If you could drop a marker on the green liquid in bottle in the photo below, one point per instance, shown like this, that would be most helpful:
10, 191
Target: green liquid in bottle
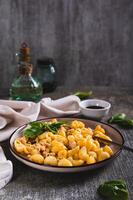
26, 89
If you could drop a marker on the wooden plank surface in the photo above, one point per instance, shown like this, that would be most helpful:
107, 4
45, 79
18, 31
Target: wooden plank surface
30, 184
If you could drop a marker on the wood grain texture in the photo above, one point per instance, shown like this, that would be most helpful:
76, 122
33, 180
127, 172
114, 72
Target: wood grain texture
90, 41
30, 184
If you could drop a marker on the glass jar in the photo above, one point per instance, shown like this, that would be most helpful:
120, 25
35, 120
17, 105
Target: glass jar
47, 74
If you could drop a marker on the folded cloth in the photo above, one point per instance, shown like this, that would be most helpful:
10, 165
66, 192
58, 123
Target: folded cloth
14, 117
16, 113
4, 122
6, 169
61, 107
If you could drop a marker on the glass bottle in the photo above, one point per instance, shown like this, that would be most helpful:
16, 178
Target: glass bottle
47, 74
24, 86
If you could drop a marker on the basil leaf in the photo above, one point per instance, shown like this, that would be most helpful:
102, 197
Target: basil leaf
32, 132
122, 120
117, 118
127, 123
114, 190
83, 95
37, 128
54, 126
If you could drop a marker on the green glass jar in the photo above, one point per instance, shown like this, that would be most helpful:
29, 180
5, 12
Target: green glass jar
25, 87
47, 74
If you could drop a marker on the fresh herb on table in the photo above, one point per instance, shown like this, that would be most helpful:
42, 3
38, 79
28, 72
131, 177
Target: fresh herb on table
37, 128
83, 95
114, 190
122, 120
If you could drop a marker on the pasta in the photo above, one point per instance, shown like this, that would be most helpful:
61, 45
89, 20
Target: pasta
71, 145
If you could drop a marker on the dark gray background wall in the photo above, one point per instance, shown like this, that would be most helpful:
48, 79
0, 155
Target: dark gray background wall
91, 41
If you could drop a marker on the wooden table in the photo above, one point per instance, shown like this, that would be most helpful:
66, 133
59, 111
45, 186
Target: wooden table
31, 184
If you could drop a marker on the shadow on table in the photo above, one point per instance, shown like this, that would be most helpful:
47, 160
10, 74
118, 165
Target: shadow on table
61, 178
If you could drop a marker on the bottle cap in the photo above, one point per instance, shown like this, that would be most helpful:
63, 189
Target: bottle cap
24, 48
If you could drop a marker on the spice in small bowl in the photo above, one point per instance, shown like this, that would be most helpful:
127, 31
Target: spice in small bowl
94, 108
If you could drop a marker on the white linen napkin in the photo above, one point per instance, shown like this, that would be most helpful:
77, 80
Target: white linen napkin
61, 107
6, 169
11, 117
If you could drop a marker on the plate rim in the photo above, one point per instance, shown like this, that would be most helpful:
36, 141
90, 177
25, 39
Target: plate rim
67, 167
